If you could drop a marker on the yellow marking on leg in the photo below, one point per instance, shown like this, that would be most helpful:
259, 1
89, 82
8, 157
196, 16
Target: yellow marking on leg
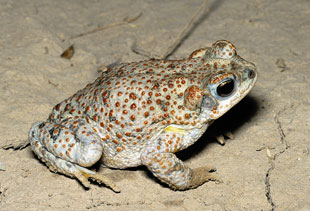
175, 130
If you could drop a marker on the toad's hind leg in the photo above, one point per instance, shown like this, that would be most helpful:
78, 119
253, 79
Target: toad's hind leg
69, 151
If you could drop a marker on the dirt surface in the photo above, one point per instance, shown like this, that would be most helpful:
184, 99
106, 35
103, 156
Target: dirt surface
267, 164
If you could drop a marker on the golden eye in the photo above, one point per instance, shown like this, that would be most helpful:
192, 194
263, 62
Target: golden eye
226, 88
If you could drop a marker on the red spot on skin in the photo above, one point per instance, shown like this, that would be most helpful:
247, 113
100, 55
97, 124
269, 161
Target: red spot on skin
132, 96
133, 106
57, 107
104, 93
79, 98
132, 117
155, 87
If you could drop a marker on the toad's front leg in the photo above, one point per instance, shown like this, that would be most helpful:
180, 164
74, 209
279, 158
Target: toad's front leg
160, 160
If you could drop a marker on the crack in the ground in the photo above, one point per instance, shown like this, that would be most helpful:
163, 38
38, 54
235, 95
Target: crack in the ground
267, 186
115, 204
272, 162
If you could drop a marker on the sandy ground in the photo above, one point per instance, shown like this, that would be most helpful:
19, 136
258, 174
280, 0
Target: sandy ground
267, 164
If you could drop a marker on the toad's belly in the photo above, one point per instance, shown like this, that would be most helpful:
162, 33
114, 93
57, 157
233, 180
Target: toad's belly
125, 159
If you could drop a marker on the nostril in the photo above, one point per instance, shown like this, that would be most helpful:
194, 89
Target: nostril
251, 74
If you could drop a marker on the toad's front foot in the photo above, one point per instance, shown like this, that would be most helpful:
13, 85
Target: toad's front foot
201, 175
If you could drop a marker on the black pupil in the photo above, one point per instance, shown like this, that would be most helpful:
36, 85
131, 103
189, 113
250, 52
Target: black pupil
225, 88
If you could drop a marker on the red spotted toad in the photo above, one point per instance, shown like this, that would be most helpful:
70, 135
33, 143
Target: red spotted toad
141, 113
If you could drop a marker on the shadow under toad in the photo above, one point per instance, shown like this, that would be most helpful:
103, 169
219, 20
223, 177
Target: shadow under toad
232, 121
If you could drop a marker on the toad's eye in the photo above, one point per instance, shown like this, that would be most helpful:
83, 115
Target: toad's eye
226, 88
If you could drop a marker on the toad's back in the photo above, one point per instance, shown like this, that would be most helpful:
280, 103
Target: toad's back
132, 103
